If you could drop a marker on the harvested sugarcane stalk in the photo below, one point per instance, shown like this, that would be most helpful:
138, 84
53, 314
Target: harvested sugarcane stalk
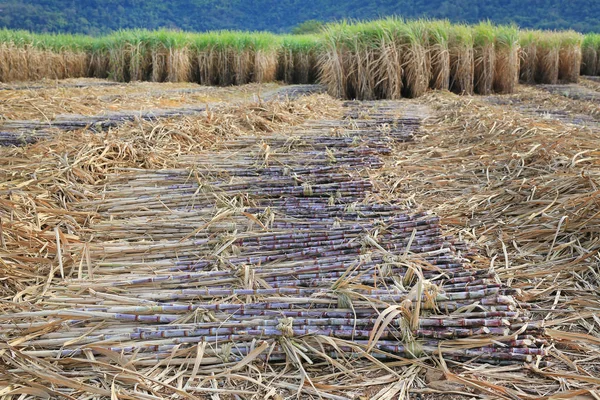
267, 241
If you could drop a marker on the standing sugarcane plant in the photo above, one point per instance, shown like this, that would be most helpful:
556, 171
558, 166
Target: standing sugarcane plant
204, 53
506, 70
265, 50
25, 56
140, 62
298, 56
438, 56
569, 65
332, 65
590, 64
119, 57
413, 48
484, 57
527, 57
462, 65
547, 57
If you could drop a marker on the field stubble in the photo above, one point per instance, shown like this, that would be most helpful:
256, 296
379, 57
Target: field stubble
520, 188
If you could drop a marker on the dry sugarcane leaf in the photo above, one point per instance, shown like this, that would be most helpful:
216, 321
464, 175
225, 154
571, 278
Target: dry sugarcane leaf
31, 391
251, 356
574, 395
381, 323
200, 348
446, 386
571, 336
111, 355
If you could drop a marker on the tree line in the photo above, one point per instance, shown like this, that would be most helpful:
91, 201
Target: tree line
96, 17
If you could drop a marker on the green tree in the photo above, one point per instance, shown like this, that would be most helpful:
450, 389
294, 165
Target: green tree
282, 15
306, 27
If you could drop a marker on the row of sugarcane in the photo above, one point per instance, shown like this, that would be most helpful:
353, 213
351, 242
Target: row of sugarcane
279, 168
158, 345
212, 58
11, 138
391, 58
387, 58
21, 133
299, 279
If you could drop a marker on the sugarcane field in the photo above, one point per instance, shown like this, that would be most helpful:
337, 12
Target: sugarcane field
391, 209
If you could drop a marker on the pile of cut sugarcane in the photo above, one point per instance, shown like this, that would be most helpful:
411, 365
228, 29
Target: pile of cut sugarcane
273, 248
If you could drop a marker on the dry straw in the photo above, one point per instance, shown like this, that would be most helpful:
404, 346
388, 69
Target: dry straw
280, 266
518, 182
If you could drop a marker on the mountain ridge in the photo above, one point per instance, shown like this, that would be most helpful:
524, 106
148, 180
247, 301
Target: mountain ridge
98, 17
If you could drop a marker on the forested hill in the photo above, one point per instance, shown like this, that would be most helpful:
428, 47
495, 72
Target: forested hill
102, 16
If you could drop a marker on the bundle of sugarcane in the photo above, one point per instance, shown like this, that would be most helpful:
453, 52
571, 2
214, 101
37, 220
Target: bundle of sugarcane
150, 325
312, 164
22, 132
20, 137
172, 224
319, 180
279, 244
